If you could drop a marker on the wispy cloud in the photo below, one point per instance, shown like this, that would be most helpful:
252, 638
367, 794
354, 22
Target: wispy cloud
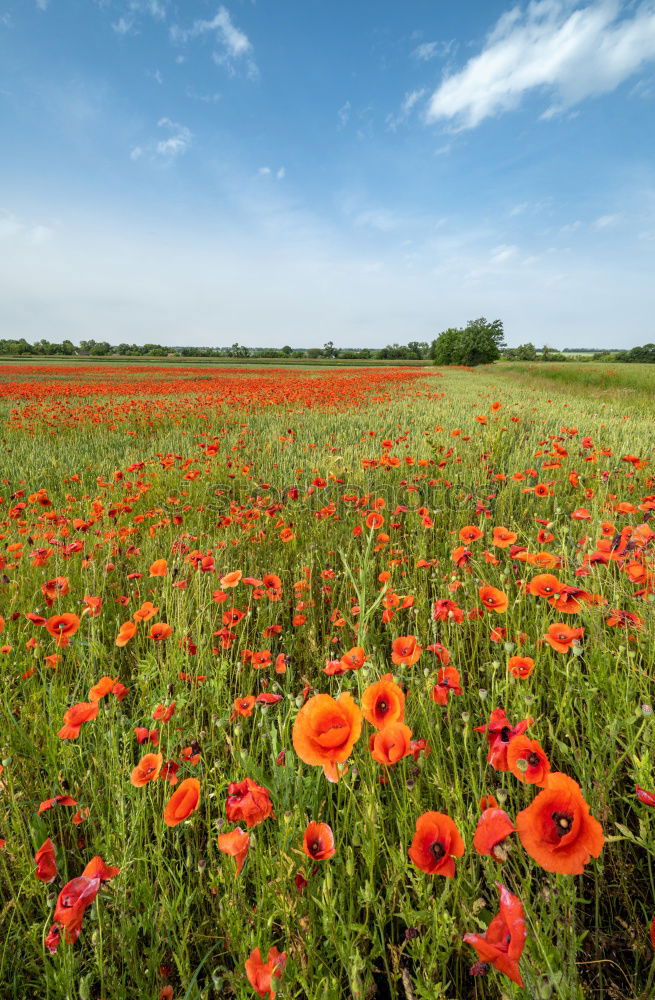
343, 114
279, 174
42, 4
234, 48
34, 234
572, 51
427, 51
410, 101
178, 141
127, 22
606, 221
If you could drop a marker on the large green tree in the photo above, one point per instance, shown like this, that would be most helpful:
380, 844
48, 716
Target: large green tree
478, 343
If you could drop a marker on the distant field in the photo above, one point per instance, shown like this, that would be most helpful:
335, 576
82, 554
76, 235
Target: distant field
603, 380
64, 359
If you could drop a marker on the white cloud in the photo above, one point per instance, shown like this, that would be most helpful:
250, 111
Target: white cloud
606, 221
213, 98
123, 26
280, 173
24, 233
557, 46
136, 153
410, 101
503, 253
42, 4
520, 209
433, 50
344, 114
177, 142
234, 47
127, 22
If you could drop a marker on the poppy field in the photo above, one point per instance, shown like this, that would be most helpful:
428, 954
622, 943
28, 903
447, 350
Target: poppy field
325, 684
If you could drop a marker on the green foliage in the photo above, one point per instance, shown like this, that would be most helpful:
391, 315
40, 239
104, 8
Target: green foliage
478, 343
641, 355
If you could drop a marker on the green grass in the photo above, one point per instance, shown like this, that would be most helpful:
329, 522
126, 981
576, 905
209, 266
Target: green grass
617, 382
176, 905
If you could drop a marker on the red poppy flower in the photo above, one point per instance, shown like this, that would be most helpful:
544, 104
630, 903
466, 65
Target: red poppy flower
261, 974
75, 718
236, 844
46, 862
383, 702
494, 826
499, 734
184, 800
562, 637
447, 682
248, 802
520, 666
58, 800
527, 761
391, 743
159, 631
646, 798
62, 627
504, 939
354, 658
326, 730
436, 842
494, 599
557, 829
318, 842
405, 650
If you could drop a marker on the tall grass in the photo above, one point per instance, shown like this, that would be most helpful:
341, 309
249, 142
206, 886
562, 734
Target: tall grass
368, 923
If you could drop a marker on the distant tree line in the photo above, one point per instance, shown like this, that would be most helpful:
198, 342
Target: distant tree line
479, 342
414, 351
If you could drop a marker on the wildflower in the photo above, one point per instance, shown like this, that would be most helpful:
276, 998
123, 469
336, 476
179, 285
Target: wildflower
184, 800
248, 802
494, 826
493, 599
504, 939
499, 733
236, 844
436, 842
447, 681
383, 702
148, 769
62, 627
46, 862
261, 974
391, 743
527, 761
318, 842
520, 666
557, 829
326, 730
405, 650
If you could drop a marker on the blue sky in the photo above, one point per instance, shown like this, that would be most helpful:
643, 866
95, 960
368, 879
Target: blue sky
297, 171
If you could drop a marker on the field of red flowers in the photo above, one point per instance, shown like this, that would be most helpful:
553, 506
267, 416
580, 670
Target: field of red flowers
324, 684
